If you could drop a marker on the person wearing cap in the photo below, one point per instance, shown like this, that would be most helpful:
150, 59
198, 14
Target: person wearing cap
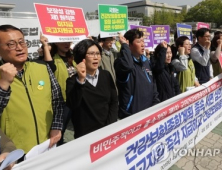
108, 55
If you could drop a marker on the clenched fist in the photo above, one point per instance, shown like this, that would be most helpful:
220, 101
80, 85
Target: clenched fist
181, 50
219, 43
122, 39
207, 44
163, 44
81, 71
43, 40
7, 73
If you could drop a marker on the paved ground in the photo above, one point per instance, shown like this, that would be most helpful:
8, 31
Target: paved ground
212, 140
69, 133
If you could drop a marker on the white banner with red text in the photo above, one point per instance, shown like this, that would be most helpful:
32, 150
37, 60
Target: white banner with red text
146, 140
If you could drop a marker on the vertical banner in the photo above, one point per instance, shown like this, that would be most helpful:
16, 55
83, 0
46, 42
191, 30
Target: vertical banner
30, 29
147, 35
184, 30
113, 19
160, 33
202, 25
61, 24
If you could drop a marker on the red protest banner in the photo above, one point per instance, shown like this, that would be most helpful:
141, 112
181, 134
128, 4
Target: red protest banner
60, 23
202, 25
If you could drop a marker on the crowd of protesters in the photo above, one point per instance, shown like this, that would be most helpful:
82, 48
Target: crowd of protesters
94, 84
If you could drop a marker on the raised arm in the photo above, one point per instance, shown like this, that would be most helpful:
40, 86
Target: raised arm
7, 75
198, 57
160, 59
46, 53
124, 64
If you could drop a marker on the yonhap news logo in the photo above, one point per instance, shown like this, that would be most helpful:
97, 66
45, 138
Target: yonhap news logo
161, 153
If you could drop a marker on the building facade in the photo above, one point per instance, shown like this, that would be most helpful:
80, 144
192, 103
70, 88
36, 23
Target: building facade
148, 8
5, 9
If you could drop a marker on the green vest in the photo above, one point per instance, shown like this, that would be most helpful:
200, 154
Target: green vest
19, 121
118, 45
216, 68
61, 73
186, 78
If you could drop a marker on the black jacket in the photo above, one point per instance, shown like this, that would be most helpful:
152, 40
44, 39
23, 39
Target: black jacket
137, 90
92, 107
167, 84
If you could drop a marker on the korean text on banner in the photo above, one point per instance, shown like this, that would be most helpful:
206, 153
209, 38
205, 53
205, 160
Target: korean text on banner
178, 126
62, 24
152, 139
160, 33
184, 30
147, 35
113, 19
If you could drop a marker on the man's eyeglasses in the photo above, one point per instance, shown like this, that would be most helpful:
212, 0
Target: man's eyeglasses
93, 54
13, 44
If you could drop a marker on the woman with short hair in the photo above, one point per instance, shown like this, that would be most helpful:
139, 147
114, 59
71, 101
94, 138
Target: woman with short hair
91, 93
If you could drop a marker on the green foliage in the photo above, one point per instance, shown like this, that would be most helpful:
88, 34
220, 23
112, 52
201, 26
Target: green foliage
162, 16
167, 17
206, 11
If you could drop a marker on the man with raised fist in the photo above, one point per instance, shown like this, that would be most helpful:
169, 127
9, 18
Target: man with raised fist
31, 103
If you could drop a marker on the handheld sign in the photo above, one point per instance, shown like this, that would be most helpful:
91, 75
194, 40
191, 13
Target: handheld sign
113, 19
202, 25
160, 33
147, 35
184, 30
61, 24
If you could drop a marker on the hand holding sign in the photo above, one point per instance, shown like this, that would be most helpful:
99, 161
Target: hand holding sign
122, 39
44, 40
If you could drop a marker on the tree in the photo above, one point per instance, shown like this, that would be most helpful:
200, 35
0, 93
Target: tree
206, 11
167, 17
161, 16
147, 21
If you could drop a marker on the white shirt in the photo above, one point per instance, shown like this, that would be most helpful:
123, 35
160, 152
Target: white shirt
91, 79
198, 57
